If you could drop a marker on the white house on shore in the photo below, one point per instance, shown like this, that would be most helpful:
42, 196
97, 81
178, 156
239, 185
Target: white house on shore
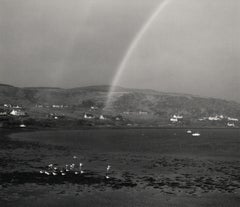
102, 117
177, 116
17, 107
174, 120
232, 119
3, 113
17, 113
57, 106
230, 124
88, 116
213, 118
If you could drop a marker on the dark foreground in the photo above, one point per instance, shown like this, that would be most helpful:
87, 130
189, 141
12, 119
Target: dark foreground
149, 167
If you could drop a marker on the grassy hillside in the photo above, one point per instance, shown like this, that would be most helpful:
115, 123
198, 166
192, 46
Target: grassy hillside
141, 106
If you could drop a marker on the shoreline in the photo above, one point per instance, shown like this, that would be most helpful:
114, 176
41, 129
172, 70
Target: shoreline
7, 132
110, 127
180, 179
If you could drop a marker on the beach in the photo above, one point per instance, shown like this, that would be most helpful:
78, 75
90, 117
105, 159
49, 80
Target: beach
149, 167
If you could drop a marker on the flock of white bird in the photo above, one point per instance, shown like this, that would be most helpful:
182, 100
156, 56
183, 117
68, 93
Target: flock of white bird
53, 169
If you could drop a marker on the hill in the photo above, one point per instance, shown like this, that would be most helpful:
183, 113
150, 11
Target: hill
140, 106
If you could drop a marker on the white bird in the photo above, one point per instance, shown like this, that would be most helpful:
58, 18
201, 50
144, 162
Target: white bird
63, 173
47, 173
108, 168
72, 166
41, 171
80, 168
189, 131
54, 173
66, 168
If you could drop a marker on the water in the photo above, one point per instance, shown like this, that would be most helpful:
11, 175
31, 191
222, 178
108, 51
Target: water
212, 142
155, 161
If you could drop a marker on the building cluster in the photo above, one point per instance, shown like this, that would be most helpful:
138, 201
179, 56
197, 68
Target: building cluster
102, 117
176, 118
3, 112
56, 106
17, 112
231, 122
94, 115
12, 110
8, 110
212, 118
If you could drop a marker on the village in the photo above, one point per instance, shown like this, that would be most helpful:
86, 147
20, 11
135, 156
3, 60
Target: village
53, 115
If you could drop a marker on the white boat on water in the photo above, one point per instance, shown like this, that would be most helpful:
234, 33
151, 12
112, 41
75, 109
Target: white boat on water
196, 134
189, 131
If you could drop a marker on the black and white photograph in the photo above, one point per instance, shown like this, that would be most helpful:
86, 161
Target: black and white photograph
119, 103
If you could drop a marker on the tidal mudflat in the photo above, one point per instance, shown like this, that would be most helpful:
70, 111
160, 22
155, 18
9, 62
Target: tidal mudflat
149, 167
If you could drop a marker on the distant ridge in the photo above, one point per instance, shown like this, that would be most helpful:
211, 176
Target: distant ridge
46, 88
6, 85
125, 99
106, 88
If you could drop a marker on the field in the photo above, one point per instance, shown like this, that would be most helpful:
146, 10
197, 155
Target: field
149, 167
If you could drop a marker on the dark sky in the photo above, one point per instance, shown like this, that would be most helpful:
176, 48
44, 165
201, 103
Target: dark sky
192, 46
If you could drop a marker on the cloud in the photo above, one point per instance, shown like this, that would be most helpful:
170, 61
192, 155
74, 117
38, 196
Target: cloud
193, 48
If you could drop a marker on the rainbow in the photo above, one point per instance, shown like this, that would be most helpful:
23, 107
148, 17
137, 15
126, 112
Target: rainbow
132, 47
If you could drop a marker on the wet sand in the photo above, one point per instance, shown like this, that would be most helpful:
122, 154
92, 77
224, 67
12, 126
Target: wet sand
149, 168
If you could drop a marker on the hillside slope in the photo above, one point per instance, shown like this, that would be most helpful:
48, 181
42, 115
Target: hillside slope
124, 100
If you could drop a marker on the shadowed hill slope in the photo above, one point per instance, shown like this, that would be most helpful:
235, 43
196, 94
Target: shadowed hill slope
159, 103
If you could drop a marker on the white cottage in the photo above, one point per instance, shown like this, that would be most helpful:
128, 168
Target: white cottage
17, 113
88, 116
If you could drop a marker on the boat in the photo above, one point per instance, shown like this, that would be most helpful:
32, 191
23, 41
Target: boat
196, 134
189, 131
